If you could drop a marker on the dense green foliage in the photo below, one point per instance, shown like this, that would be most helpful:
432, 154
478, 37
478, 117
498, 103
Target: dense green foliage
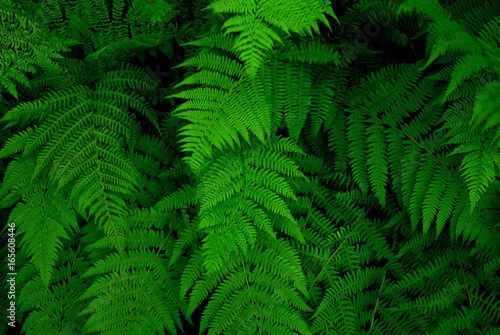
303, 171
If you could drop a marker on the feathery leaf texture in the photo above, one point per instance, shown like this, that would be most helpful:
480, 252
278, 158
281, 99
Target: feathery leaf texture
288, 178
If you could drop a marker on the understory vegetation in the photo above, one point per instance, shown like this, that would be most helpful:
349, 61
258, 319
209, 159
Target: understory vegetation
250, 166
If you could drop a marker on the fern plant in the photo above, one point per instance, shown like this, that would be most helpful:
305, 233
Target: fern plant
279, 185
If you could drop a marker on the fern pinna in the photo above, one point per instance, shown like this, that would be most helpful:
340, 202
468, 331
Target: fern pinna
287, 179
